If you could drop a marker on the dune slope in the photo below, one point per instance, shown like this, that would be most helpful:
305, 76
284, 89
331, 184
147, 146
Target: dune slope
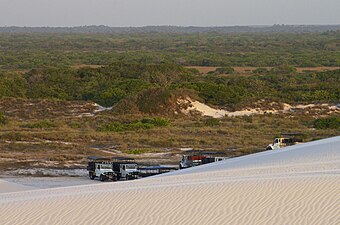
295, 185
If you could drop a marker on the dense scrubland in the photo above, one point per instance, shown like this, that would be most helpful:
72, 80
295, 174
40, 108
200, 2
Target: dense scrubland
48, 83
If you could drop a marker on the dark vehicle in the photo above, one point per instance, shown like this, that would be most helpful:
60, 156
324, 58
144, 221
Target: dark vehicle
146, 171
100, 167
125, 168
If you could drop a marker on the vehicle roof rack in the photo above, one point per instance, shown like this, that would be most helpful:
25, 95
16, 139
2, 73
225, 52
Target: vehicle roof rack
98, 158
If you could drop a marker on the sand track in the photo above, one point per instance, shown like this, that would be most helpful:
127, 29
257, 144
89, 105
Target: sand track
296, 185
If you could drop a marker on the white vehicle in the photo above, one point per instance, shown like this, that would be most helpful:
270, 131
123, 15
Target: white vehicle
125, 168
102, 168
283, 142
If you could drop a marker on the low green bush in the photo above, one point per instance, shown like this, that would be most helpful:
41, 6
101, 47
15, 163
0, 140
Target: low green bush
3, 119
211, 122
327, 123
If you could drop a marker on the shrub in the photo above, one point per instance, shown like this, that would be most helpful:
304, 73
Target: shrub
211, 122
137, 151
260, 71
327, 123
223, 70
3, 119
157, 121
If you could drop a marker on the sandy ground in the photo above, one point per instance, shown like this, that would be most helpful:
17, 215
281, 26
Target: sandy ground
295, 185
205, 110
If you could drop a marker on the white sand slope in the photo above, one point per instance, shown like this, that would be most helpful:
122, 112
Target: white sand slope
296, 185
6, 187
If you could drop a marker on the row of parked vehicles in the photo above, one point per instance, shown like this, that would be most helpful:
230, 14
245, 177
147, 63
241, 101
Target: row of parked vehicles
112, 168
118, 168
126, 168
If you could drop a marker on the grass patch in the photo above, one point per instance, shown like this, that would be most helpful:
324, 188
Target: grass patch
137, 151
144, 124
39, 125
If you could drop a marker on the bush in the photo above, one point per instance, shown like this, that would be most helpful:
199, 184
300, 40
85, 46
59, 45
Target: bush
327, 123
137, 151
260, 71
211, 122
39, 125
223, 70
157, 121
3, 119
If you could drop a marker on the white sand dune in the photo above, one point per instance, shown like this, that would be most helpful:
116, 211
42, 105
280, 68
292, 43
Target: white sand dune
6, 187
295, 185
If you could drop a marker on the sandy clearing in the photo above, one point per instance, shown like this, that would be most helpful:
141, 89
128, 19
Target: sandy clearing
294, 185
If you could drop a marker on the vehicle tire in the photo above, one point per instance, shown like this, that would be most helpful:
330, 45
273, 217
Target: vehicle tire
101, 178
91, 176
127, 178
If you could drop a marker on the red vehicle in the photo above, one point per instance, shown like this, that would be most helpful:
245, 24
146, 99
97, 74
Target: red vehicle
195, 158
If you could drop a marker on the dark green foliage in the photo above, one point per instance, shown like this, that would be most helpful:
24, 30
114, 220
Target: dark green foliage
25, 51
130, 89
260, 71
223, 70
327, 123
12, 85
156, 121
3, 119
283, 69
211, 122
155, 101
39, 125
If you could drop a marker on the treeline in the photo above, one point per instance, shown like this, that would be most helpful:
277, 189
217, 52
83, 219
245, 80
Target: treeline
151, 87
172, 29
26, 51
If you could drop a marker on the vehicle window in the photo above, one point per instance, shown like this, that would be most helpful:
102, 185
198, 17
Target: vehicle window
106, 166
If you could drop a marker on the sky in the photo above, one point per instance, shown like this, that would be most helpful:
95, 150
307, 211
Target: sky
122, 13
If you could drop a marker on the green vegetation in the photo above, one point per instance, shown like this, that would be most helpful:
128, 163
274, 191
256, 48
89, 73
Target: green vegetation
39, 125
3, 119
327, 123
135, 125
222, 70
26, 51
211, 122
49, 81
154, 88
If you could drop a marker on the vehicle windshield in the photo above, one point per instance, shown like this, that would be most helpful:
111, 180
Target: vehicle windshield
106, 166
131, 166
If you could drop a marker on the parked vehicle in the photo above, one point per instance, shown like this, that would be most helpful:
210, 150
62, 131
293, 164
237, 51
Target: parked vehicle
284, 140
195, 158
101, 167
146, 171
125, 168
